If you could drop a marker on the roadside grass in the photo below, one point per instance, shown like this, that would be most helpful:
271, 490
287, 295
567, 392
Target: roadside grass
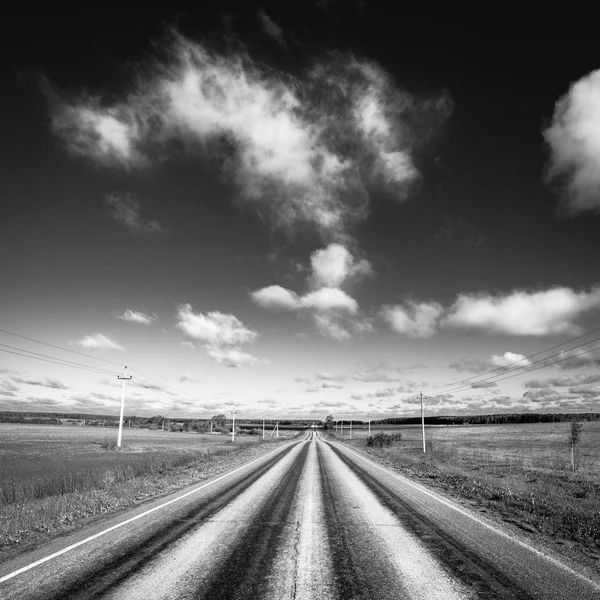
38, 508
527, 482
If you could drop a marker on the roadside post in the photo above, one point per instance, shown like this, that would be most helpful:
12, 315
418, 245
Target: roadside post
125, 378
233, 413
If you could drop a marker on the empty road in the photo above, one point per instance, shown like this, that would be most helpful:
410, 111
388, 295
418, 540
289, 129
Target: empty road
311, 519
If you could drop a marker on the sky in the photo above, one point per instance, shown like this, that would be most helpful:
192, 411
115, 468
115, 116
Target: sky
299, 210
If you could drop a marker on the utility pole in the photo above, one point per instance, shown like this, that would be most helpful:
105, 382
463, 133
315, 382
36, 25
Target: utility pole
263, 428
423, 422
124, 378
233, 412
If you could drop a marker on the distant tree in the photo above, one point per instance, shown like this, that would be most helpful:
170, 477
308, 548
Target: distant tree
574, 437
219, 420
329, 422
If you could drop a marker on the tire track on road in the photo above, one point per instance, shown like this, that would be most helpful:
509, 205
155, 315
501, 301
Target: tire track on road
98, 580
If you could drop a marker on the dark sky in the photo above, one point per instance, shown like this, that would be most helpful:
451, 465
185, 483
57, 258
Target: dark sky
480, 221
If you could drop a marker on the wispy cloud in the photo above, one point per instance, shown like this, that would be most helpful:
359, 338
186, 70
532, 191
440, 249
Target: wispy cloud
98, 341
306, 148
223, 335
574, 140
133, 316
271, 28
564, 381
46, 382
125, 209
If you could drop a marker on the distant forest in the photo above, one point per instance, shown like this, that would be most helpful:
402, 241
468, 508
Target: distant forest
201, 425
495, 419
155, 422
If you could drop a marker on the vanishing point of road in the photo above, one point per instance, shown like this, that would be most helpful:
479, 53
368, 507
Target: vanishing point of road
311, 519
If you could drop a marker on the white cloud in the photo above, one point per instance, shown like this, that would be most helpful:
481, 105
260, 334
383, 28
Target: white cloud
327, 326
232, 357
276, 297
414, 319
133, 316
333, 265
548, 312
328, 299
98, 341
308, 148
126, 210
574, 139
508, 359
223, 335
271, 28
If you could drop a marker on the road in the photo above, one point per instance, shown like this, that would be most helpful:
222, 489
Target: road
310, 520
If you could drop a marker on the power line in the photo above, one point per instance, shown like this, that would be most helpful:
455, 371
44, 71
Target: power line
164, 385
61, 348
503, 368
546, 364
73, 366
62, 360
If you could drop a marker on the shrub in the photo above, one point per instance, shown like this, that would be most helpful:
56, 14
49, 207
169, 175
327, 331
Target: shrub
383, 439
221, 430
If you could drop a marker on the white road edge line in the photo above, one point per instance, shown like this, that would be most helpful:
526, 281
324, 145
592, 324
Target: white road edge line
118, 525
499, 532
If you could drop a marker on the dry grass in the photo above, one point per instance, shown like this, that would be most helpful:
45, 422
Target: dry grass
521, 471
84, 476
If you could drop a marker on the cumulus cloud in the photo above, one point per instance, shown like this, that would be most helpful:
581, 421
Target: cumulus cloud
98, 341
125, 209
548, 312
413, 319
333, 265
223, 335
330, 299
508, 359
307, 148
333, 311
277, 298
271, 28
133, 316
574, 140
543, 395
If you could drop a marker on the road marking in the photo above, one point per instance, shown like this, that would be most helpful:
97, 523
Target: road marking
499, 532
132, 519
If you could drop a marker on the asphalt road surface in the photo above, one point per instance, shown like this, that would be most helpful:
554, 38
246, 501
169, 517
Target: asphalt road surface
311, 519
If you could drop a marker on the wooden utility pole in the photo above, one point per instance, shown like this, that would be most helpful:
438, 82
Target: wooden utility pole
423, 422
124, 378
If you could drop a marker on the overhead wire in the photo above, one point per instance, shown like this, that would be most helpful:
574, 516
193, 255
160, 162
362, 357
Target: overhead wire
61, 348
503, 369
56, 362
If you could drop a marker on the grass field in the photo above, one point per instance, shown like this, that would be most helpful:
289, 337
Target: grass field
522, 471
31, 451
56, 478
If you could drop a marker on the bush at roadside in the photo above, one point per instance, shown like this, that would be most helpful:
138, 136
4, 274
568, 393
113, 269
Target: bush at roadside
379, 440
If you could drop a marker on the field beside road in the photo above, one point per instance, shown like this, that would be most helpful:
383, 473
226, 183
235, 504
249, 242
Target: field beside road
55, 478
521, 472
